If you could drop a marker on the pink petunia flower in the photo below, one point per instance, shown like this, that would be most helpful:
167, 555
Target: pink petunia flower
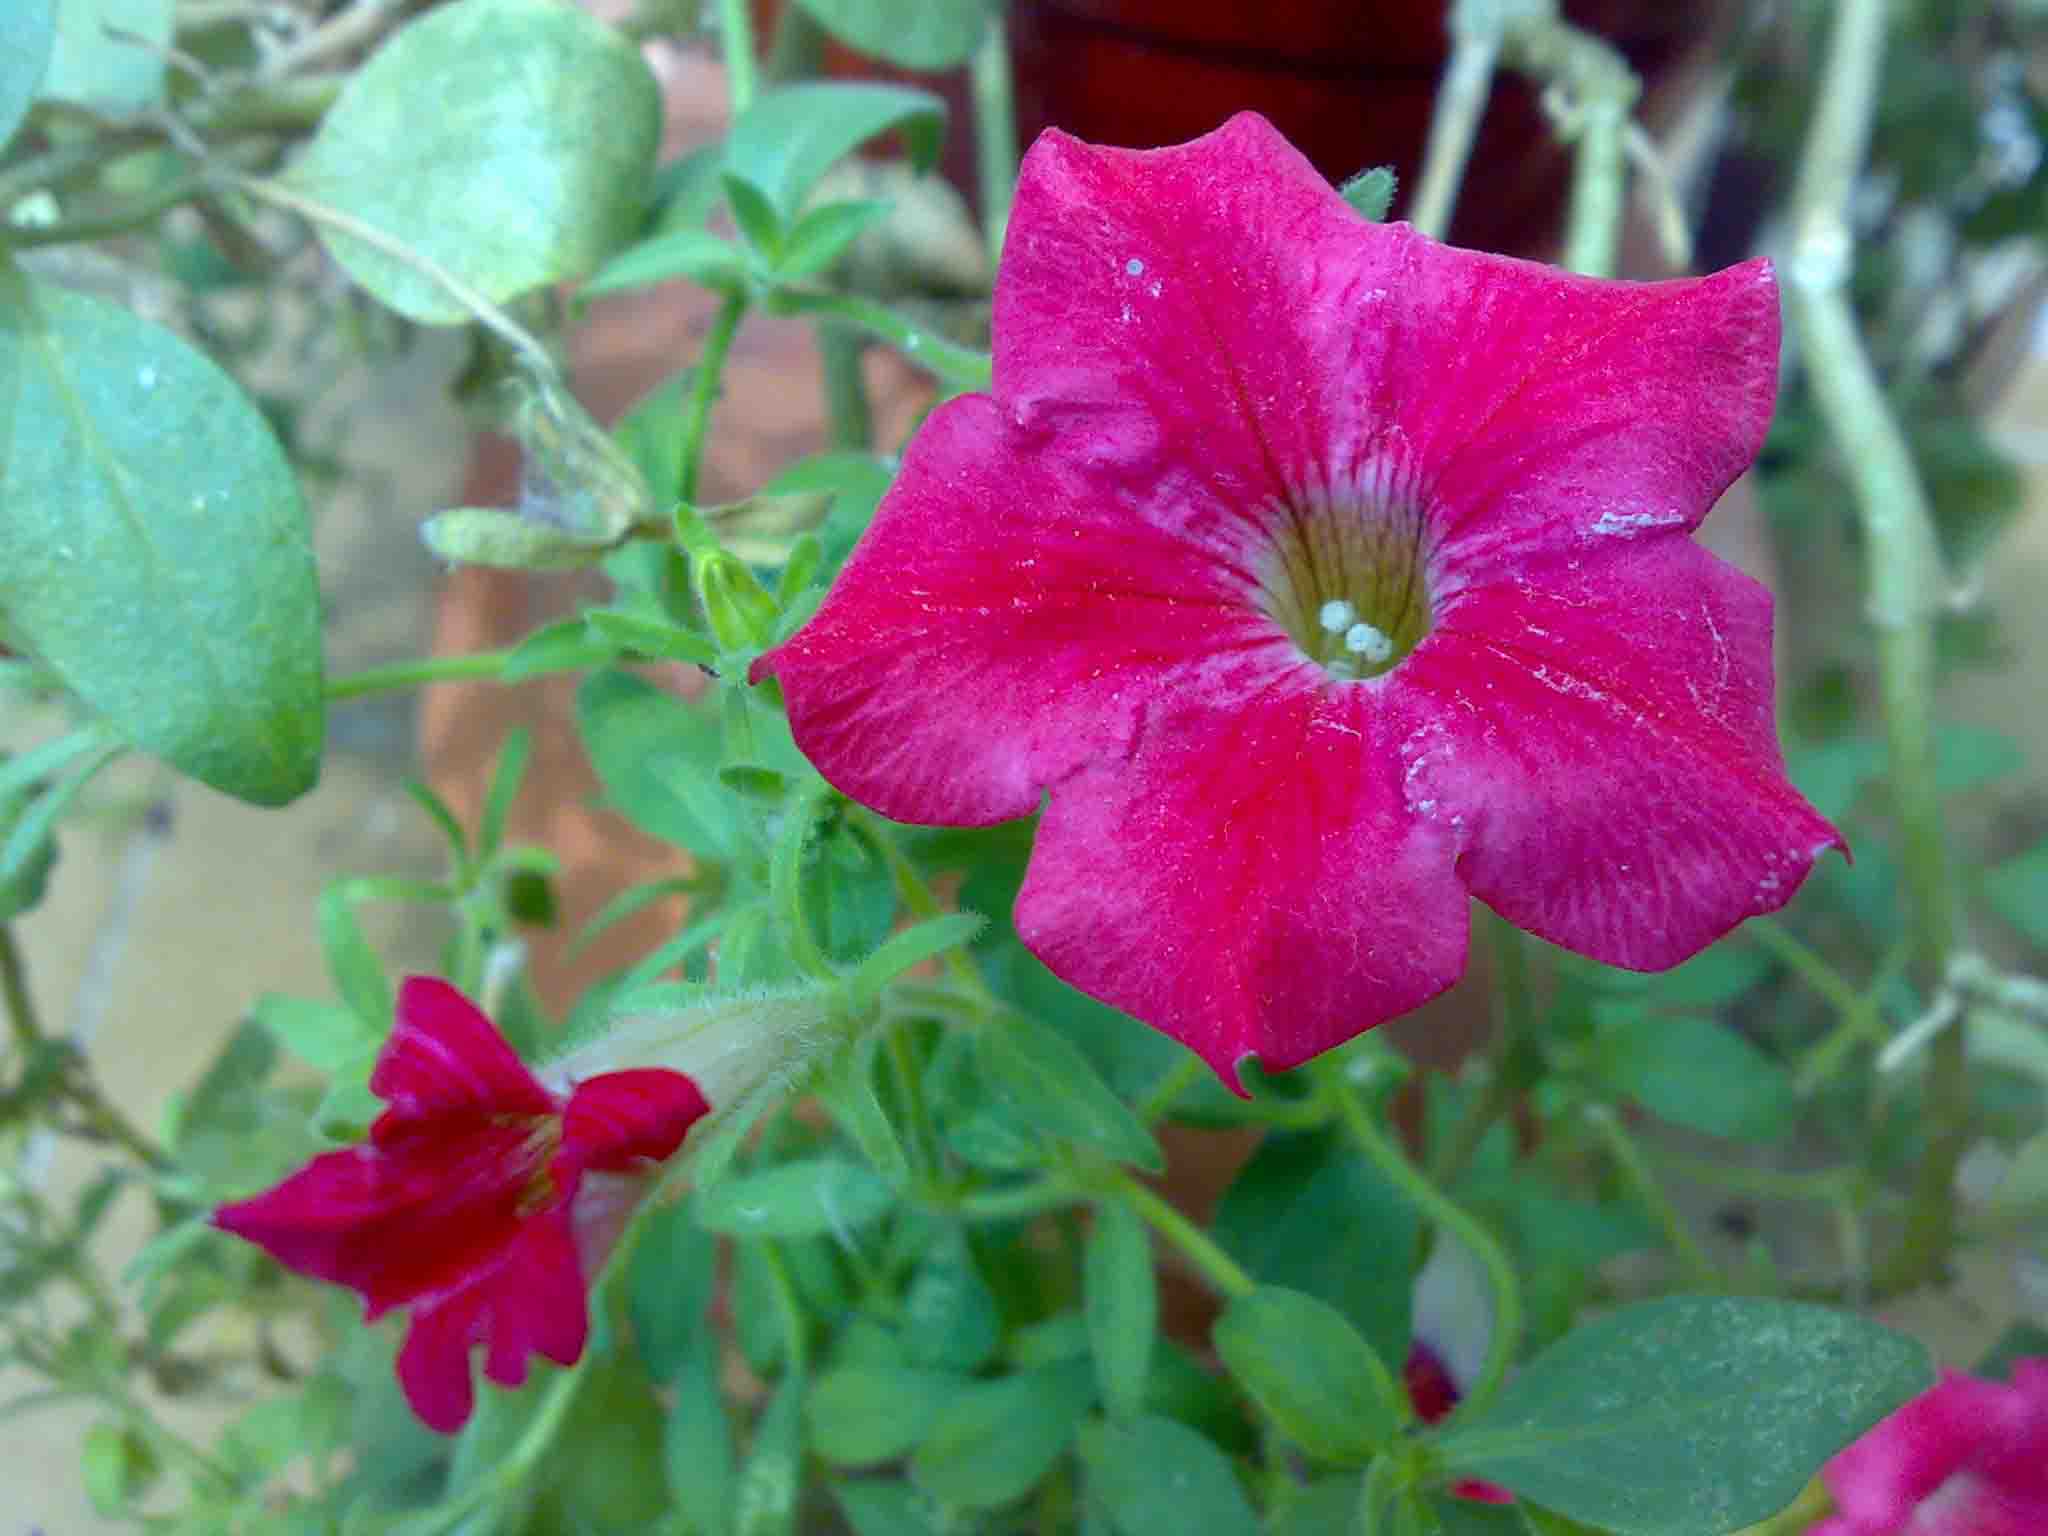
1964, 1458
1321, 575
482, 1200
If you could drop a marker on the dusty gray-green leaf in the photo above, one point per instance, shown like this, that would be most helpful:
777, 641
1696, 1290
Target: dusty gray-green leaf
153, 547
1688, 1416
106, 54
24, 61
916, 34
510, 142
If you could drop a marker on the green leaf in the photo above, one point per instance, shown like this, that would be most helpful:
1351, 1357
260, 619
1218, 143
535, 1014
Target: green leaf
358, 973
927, 35
107, 54
1121, 1294
913, 946
821, 236
863, 1415
532, 164
670, 1283
696, 254
1371, 193
23, 62
513, 757
757, 219
697, 1446
1308, 1214
2018, 892
323, 1035
764, 1502
885, 1507
950, 1317
1051, 1083
2021, 1340
117, 1467
153, 548
793, 134
1312, 1373
658, 760
994, 1441
1158, 1475
1689, 1416
1697, 1073
806, 1198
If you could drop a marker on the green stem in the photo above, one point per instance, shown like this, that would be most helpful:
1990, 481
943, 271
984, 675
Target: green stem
1593, 225
1809, 965
1635, 1172
846, 387
795, 1338
22, 1021
1033, 1199
1506, 1337
113, 218
916, 894
704, 388
397, 675
1601, 90
480, 309
1188, 1072
1514, 1020
1201, 1250
736, 34
102, 1121
785, 882
995, 129
1454, 122
903, 1063
1906, 580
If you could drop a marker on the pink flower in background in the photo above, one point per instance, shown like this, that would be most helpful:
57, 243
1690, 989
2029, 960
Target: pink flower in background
482, 1200
1964, 1458
1452, 1326
1322, 576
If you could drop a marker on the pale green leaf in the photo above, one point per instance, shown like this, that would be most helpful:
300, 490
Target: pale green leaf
154, 550
510, 142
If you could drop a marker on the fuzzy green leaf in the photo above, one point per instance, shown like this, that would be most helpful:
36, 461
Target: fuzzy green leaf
153, 547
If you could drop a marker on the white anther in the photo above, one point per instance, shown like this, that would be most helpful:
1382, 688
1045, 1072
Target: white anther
1338, 616
1371, 644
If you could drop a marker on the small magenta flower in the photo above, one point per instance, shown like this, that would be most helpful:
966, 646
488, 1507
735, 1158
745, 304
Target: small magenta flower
482, 1200
1321, 576
1965, 1458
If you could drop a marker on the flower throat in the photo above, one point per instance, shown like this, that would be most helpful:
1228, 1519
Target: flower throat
1348, 585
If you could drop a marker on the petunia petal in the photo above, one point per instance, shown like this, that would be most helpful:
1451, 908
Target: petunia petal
1600, 741
531, 1302
1173, 308
1251, 882
1010, 616
536, 1299
395, 1227
444, 1055
433, 1362
618, 1120
1578, 414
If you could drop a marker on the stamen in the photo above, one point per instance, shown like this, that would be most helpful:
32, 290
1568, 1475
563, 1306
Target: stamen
1338, 616
1363, 640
